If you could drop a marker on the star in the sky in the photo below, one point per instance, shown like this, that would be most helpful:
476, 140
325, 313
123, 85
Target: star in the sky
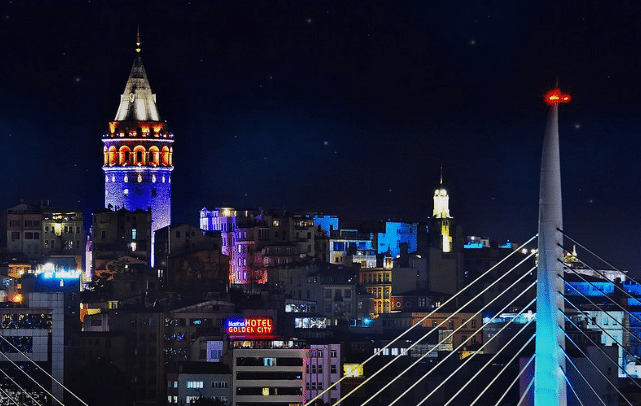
308, 20
472, 42
326, 143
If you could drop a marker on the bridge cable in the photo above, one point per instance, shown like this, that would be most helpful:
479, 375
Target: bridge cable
596, 368
516, 379
329, 387
20, 387
612, 301
468, 359
32, 378
616, 286
469, 381
507, 364
9, 396
567, 381
448, 336
42, 369
600, 327
525, 392
616, 363
567, 357
596, 256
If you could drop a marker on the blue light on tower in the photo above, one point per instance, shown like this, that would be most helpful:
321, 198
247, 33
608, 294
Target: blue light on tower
138, 153
549, 379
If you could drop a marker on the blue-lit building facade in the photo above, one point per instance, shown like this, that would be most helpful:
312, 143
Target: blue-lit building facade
138, 152
620, 323
326, 223
396, 234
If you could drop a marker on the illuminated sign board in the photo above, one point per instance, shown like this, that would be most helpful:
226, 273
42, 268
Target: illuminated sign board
249, 326
61, 274
352, 370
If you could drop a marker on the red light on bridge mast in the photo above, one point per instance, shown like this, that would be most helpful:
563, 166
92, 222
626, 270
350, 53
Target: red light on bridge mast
555, 97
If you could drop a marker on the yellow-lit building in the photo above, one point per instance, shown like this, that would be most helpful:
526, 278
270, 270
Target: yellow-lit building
378, 282
442, 218
63, 233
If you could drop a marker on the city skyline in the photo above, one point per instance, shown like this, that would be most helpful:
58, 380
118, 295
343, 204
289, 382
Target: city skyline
339, 109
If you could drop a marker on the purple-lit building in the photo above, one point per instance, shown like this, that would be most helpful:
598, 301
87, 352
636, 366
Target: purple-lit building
322, 370
255, 240
138, 152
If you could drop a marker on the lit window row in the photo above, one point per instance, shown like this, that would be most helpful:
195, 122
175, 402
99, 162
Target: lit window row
194, 385
139, 156
139, 178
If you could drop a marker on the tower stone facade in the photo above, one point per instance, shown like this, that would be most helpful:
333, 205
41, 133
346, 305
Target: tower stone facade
138, 152
441, 217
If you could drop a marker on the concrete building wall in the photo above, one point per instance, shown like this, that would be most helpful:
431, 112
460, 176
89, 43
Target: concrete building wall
265, 376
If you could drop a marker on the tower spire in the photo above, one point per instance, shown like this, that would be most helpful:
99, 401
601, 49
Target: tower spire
138, 40
137, 102
441, 175
549, 383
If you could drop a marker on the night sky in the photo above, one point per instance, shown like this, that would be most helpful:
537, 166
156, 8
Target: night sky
342, 107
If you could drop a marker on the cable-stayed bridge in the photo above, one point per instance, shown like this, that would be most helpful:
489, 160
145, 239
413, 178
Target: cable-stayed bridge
555, 331
546, 329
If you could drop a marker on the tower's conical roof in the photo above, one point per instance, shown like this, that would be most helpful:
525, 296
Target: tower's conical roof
137, 103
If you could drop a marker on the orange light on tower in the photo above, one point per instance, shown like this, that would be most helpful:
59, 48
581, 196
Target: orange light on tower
17, 298
555, 97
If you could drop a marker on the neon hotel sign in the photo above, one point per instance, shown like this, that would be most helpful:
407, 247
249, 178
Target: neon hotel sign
249, 326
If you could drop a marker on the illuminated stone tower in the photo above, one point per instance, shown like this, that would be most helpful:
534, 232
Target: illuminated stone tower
138, 152
441, 216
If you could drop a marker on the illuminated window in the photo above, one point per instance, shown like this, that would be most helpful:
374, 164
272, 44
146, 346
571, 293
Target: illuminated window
126, 192
269, 362
194, 384
164, 156
133, 233
154, 156
265, 391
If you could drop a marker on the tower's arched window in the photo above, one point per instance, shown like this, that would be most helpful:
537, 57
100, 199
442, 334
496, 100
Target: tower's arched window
154, 156
140, 155
113, 155
171, 156
165, 156
125, 156
106, 156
